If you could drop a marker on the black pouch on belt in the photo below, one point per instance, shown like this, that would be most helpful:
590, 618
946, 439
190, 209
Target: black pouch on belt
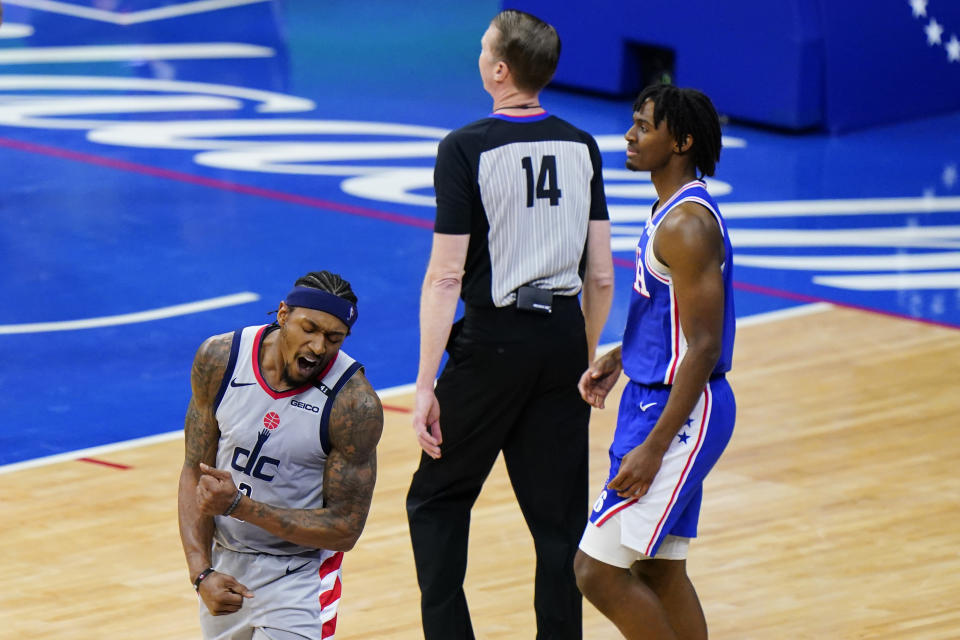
535, 300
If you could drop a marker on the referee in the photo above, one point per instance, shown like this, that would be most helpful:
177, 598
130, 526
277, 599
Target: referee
521, 229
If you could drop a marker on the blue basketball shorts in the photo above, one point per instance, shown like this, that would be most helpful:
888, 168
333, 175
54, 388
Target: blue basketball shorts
671, 507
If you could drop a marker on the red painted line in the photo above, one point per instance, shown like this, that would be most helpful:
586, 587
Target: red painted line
800, 297
213, 183
777, 293
808, 299
318, 203
113, 465
388, 407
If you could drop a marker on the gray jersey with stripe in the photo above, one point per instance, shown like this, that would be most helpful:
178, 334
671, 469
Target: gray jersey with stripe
275, 445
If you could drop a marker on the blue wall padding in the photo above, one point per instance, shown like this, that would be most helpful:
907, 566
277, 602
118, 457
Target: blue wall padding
795, 64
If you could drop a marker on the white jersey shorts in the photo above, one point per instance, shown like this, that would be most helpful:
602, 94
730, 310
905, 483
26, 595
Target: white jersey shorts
294, 596
670, 510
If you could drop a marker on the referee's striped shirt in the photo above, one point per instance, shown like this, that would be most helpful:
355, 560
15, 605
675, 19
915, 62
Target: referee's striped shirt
525, 189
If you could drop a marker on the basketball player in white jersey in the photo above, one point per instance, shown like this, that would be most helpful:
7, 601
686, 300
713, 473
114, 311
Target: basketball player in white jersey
281, 435
677, 411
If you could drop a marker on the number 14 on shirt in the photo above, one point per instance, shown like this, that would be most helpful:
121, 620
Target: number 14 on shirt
547, 188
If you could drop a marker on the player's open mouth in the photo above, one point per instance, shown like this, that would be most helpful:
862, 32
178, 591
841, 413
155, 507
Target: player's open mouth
307, 365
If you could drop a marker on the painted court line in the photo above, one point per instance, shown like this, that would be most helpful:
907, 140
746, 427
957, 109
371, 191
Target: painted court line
131, 318
784, 314
213, 183
131, 17
90, 452
808, 299
389, 392
115, 52
104, 463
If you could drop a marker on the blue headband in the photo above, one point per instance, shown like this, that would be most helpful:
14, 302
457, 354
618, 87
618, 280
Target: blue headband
322, 301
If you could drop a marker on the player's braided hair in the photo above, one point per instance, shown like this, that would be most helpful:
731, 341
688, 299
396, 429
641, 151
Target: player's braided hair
688, 113
329, 282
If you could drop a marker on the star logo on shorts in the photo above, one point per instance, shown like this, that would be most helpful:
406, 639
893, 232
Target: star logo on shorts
683, 437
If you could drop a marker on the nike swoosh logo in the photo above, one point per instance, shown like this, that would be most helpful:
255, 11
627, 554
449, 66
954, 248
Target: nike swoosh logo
234, 383
644, 407
288, 570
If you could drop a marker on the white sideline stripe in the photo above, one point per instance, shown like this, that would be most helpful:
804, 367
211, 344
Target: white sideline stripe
131, 318
784, 314
103, 53
134, 17
142, 442
91, 452
391, 392
772, 316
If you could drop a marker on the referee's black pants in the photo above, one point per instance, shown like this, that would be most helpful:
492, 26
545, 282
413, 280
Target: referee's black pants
510, 384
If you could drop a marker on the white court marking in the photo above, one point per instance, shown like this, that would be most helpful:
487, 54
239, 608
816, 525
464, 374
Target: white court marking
131, 318
142, 442
120, 52
131, 17
399, 390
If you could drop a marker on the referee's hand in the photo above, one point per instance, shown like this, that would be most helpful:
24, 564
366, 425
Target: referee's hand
596, 381
426, 422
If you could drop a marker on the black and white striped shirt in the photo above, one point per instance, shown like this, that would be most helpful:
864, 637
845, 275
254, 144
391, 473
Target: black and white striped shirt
525, 189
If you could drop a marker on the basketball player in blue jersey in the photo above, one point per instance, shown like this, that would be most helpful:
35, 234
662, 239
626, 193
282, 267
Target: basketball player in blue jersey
281, 435
677, 411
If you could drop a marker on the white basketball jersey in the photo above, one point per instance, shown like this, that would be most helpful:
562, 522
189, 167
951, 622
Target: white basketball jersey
275, 444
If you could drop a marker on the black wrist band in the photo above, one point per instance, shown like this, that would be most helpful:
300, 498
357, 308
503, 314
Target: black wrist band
233, 505
200, 576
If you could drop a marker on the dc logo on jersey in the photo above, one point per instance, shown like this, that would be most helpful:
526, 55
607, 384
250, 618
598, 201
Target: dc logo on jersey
271, 420
251, 463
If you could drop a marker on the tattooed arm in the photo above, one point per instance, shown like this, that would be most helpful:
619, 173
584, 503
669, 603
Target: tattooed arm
221, 593
356, 421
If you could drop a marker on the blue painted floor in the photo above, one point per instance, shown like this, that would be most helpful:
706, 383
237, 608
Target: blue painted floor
154, 155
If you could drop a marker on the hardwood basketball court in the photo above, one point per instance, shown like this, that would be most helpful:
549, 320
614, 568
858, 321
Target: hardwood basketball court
833, 514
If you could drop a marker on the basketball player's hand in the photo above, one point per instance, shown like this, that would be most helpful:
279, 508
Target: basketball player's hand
222, 594
637, 471
426, 422
596, 381
215, 490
